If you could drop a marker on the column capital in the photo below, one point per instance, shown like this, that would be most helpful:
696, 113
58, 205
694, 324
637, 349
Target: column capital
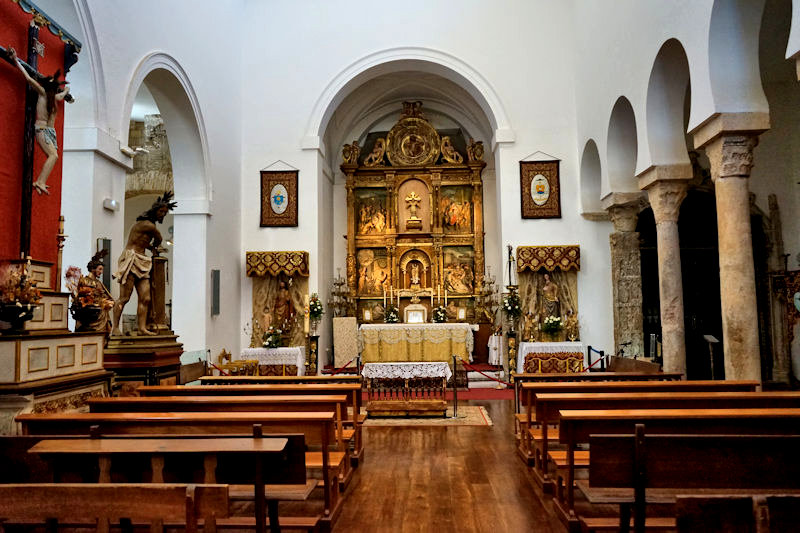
719, 124
665, 199
657, 173
731, 155
623, 209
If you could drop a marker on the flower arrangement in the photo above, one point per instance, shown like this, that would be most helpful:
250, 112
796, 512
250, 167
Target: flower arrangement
439, 314
315, 309
511, 305
84, 295
552, 324
16, 288
392, 315
272, 338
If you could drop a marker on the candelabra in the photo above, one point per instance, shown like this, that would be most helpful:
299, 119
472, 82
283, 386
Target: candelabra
340, 301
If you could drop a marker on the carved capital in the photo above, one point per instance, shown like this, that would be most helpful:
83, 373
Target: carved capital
665, 198
731, 156
624, 217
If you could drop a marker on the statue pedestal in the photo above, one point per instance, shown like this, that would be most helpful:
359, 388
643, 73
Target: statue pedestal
144, 360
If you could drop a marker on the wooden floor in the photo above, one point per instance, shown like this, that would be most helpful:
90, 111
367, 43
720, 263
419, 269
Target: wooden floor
445, 479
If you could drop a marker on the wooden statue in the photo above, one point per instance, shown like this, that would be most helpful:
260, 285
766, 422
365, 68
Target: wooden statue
133, 266
100, 295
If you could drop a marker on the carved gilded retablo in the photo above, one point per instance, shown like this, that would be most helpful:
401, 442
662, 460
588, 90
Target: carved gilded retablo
412, 141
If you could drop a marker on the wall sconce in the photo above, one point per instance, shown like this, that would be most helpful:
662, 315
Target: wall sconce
109, 204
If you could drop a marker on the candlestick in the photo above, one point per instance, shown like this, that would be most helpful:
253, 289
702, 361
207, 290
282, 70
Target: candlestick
384, 297
306, 318
445, 297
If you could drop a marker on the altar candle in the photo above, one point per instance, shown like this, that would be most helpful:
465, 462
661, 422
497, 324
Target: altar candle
438, 295
431, 298
305, 318
384, 296
445, 297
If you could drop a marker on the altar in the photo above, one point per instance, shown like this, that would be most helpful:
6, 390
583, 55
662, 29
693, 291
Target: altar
547, 357
284, 361
406, 389
389, 343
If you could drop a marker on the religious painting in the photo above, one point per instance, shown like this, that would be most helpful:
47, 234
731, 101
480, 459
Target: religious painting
278, 198
373, 271
540, 189
459, 275
455, 209
371, 212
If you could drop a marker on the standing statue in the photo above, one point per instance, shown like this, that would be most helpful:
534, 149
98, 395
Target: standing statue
48, 90
134, 265
552, 306
102, 298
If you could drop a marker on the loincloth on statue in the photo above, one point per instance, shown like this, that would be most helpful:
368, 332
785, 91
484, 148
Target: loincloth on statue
131, 262
49, 135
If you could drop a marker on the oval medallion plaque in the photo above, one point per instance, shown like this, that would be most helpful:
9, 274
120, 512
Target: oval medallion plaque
278, 198
540, 189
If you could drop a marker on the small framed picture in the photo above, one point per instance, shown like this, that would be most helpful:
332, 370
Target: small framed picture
278, 198
540, 190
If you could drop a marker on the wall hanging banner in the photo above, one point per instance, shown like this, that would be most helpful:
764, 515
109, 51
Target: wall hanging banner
274, 263
550, 258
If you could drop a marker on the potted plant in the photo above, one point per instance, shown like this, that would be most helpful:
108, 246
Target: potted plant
19, 297
439, 314
392, 315
551, 325
512, 308
272, 338
315, 312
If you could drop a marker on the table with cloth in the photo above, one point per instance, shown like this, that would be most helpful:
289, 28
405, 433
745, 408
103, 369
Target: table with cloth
285, 361
547, 357
406, 388
390, 343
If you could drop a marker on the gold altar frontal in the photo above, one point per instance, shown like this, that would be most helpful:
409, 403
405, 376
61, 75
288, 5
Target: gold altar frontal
392, 343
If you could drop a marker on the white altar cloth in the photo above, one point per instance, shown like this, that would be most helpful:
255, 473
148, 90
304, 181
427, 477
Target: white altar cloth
406, 370
289, 355
526, 348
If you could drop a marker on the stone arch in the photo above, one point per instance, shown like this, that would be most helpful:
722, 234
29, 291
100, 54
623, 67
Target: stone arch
666, 99
590, 178
733, 56
622, 147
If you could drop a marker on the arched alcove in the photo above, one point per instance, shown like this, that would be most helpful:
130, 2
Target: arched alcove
590, 178
622, 147
666, 93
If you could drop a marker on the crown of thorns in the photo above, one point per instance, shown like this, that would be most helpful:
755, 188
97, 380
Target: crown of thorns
166, 200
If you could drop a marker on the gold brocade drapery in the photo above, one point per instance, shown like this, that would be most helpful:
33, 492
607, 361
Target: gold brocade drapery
261, 264
550, 258
428, 343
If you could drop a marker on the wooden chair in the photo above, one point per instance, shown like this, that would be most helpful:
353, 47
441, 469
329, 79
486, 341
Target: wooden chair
69, 505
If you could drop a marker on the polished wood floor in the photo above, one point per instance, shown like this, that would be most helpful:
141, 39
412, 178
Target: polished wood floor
445, 479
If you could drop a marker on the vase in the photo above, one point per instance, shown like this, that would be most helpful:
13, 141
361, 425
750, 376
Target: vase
84, 316
16, 316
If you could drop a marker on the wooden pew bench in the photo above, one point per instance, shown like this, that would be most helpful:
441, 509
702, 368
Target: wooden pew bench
352, 390
577, 427
737, 513
532, 389
318, 429
690, 462
227, 404
104, 504
547, 406
272, 380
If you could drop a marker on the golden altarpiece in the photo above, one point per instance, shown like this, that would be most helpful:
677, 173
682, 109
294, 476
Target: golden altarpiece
415, 220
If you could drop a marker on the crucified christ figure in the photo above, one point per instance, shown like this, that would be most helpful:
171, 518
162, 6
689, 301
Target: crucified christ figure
48, 90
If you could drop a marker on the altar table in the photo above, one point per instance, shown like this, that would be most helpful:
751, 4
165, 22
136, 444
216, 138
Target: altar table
284, 361
547, 357
406, 388
385, 343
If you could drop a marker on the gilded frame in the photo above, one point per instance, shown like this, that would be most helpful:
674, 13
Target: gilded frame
275, 184
540, 189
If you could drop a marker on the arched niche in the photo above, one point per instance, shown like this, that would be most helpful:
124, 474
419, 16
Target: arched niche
590, 178
622, 147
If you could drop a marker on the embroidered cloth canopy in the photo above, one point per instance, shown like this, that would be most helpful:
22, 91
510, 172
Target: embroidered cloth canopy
261, 264
535, 258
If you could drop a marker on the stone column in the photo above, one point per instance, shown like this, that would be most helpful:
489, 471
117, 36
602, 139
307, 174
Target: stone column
731, 157
626, 272
665, 198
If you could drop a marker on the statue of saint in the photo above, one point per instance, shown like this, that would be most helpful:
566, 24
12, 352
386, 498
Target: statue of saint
134, 265
91, 286
551, 304
414, 274
283, 311
571, 328
45, 126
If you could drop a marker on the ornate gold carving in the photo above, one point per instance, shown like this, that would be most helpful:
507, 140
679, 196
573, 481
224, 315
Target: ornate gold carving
274, 263
449, 152
375, 157
535, 258
413, 200
413, 141
67, 403
350, 153
475, 151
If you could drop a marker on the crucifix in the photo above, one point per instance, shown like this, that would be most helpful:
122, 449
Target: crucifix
41, 95
413, 221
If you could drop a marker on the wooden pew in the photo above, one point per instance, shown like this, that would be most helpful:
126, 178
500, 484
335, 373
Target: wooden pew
273, 380
104, 504
352, 390
577, 426
737, 513
529, 390
227, 404
175, 458
547, 406
537, 377
691, 462
318, 429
